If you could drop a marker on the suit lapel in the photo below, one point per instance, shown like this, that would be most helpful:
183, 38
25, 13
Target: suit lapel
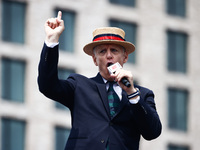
124, 100
101, 86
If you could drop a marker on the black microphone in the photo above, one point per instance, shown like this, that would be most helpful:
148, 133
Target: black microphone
114, 67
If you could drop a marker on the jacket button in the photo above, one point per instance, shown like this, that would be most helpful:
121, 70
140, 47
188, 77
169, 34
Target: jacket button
102, 141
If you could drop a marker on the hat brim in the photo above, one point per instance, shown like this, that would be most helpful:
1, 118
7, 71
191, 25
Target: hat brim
129, 47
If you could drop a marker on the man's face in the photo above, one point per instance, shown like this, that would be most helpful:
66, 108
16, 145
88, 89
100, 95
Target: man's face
106, 54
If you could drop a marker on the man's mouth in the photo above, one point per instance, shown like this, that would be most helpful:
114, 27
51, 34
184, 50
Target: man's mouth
108, 64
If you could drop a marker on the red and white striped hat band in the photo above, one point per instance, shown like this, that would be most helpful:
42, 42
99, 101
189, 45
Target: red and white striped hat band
108, 37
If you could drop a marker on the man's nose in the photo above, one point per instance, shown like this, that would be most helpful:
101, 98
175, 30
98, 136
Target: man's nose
109, 54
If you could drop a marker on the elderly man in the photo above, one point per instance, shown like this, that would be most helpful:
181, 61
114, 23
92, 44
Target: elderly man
106, 114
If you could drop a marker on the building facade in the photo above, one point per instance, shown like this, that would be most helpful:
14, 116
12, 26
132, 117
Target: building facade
166, 34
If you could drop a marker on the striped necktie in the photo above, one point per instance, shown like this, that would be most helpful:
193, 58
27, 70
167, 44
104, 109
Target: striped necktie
113, 99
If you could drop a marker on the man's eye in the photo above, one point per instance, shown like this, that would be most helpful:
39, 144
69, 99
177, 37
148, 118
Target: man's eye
102, 51
114, 50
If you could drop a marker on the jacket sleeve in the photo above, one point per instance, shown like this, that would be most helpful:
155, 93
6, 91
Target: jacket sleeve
146, 116
48, 82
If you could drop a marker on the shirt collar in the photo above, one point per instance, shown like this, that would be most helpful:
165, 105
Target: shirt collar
106, 81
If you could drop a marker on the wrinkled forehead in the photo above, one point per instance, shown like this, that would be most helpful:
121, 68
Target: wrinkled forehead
106, 46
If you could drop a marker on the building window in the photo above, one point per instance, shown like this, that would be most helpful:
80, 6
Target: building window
130, 30
12, 134
177, 109
63, 74
13, 21
177, 51
66, 41
61, 135
13, 78
176, 7
176, 147
130, 3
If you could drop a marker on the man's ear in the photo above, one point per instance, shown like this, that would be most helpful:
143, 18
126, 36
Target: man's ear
94, 59
125, 57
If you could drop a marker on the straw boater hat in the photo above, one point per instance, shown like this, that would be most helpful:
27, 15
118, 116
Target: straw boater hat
108, 35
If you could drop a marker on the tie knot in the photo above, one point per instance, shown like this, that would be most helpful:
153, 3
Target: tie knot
111, 83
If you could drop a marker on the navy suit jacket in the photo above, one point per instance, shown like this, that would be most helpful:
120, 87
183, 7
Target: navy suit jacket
92, 126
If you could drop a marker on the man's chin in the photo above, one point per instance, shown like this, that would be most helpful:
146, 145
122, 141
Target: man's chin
110, 78
107, 76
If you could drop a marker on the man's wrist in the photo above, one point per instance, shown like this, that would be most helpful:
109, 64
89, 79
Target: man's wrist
134, 94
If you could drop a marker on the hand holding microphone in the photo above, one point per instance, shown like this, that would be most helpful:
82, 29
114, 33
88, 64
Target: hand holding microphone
112, 68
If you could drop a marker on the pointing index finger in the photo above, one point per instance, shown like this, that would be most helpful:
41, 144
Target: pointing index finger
59, 15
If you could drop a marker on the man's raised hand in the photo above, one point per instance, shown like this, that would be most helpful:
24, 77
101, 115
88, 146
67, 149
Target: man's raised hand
54, 28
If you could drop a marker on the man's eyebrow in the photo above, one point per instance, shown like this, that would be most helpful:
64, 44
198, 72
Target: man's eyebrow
114, 48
